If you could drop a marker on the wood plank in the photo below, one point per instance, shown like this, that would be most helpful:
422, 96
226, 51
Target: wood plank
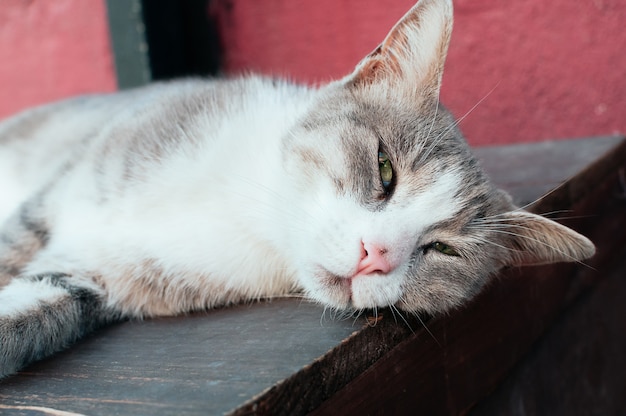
579, 367
283, 357
529, 171
197, 364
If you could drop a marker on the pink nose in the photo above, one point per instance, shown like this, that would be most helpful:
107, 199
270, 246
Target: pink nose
373, 260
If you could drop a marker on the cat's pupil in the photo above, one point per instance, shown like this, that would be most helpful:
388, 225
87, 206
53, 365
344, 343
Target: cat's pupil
386, 171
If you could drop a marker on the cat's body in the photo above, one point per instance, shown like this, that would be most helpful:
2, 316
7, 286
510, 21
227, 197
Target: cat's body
193, 194
165, 181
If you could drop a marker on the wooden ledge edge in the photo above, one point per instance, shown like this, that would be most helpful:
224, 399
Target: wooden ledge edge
579, 186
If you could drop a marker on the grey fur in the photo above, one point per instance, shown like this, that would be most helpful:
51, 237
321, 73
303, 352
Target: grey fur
53, 326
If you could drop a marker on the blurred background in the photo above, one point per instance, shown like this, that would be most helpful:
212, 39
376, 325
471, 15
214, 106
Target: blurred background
524, 70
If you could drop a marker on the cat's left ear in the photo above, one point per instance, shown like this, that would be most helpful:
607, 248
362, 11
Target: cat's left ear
414, 51
533, 239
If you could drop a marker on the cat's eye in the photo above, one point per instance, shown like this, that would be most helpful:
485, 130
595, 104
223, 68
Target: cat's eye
386, 171
443, 248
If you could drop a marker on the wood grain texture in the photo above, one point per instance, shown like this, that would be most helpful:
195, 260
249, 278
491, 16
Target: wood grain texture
287, 357
579, 367
204, 363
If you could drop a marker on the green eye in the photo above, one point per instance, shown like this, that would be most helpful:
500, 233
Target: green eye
386, 171
444, 249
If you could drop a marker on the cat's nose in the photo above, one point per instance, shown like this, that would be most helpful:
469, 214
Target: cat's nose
373, 260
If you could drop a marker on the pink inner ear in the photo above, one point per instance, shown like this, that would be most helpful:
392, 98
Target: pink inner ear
377, 67
367, 74
413, 52
381, 62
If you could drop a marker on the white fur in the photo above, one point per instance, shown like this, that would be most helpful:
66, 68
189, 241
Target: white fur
21, 296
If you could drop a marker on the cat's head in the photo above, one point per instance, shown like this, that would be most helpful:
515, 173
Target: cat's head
392, 207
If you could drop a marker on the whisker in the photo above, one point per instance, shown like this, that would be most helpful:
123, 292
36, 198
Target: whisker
373, 322
504, 219
455, 124
485, 241
530, 204
395, 308
354, 314
572, 258
323, 317
393, 312
498, 217
428, 330
432, 123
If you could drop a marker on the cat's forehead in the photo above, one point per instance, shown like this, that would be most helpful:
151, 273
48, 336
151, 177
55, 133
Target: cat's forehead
424, 137
396, 119
423, 143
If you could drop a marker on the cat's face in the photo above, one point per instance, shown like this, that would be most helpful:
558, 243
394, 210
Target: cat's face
392, 209
388, 199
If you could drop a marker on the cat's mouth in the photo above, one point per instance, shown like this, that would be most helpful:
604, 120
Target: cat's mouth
358, 292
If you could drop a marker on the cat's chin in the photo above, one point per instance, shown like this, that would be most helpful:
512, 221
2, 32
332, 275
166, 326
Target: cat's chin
334, 291
358, 292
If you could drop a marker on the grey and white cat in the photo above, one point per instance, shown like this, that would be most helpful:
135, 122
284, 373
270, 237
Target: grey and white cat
193, 194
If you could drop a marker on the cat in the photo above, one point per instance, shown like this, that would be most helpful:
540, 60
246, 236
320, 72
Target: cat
193, 194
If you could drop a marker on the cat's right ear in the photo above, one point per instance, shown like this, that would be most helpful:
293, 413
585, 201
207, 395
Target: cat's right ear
413, 53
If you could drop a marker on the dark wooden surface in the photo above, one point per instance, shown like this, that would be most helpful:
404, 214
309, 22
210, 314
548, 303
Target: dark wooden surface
287, 357
198, 364
579, 366
529, 171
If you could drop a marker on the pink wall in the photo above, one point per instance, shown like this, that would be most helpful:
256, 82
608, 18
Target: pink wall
51, 49
557, 68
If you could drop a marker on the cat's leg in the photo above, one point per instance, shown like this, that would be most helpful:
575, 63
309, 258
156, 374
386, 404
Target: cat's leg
42, 314
21, 237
